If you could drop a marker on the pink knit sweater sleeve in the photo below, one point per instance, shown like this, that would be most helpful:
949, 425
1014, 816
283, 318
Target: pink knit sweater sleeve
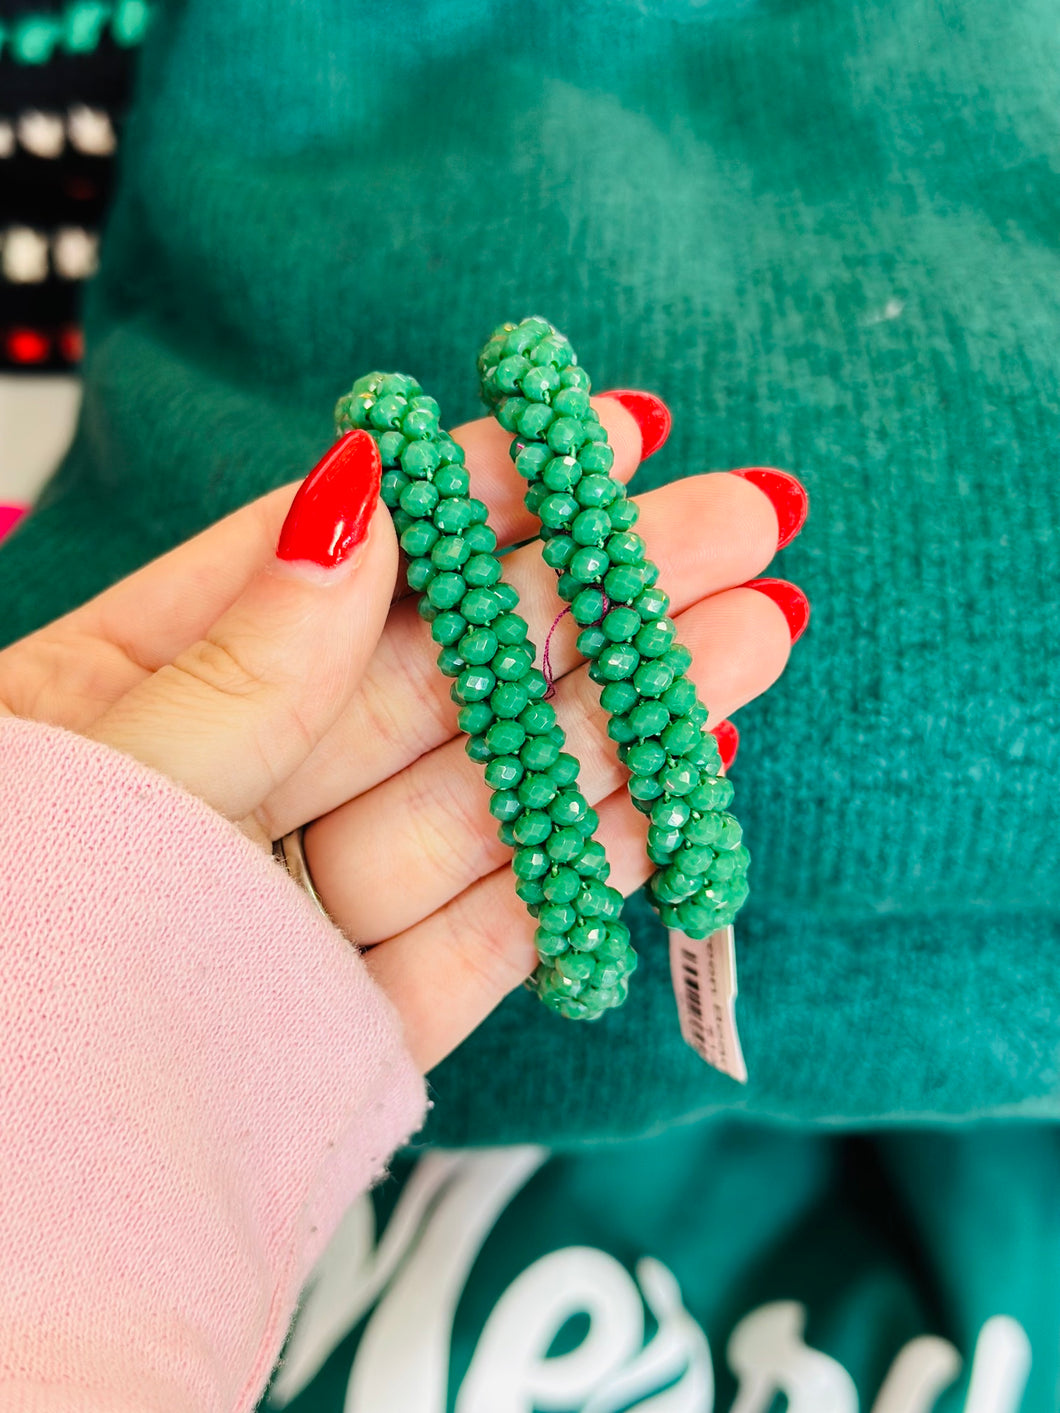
197, 1076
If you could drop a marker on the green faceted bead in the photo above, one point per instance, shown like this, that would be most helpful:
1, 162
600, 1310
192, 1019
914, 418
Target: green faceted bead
621, 623
713, 793
452, 481
504, 772
421, 423
573, 376
446, 590
655, 637
473, 685
453, 516
575, 968
447, 628
565, 435
391, 486
591, 527
565, 845
645, 787
561, 885
596, 457
566, 585
652, 678
594, 492
588, 565
387, 412
480, 605
617, 661
420, 459
680, 697
505, 805
510, 629
539, 383
680, 736
643, 758
588, 824
695, 860
402, 521
557, 509
475, 718
507, 596
451, 662
663, 843
538, 718
419, 498
536, 421
535, 498
420, 573
529, 890
648, 718
587, 606
479, 645
702, 829
591, 642
620, 729
557, 552
549, 944
670, 885
512, 664
557, 917
531, 459
477, 750
391, 445
593, 862
533, 827
537, 790
480, 539
426, 609
572, 402
564, 769
449, 551
671, 814
530, 862
694, 919
568, 807
731, 832
652, 604
504, 738
418, 538
680, 659
624, 514
482, 569
561, 473
623, 582
587, 936
618, 697
509, 371
509, 411
598, 899
539, 753
509, 699
697, 714
624, 548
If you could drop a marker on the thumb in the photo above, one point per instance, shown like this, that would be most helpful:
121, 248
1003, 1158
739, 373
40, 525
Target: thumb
232, 716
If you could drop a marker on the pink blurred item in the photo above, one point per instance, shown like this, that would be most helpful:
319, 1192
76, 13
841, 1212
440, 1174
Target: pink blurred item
10, 515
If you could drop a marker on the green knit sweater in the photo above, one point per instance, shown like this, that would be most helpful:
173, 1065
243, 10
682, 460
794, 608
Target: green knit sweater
826, 232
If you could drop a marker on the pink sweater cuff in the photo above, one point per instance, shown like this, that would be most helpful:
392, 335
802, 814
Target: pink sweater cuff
197, 1076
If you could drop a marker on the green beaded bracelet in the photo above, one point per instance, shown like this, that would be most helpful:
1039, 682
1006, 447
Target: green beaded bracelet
531, 380
561, 870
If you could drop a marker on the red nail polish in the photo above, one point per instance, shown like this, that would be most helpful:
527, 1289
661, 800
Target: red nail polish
792, 600
329, 516
728, 739
651, 415
788, 495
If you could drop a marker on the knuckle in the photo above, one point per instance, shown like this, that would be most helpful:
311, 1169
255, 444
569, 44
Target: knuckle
218, 666
446, 820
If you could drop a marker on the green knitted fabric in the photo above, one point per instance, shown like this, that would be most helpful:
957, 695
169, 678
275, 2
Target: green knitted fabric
826, 233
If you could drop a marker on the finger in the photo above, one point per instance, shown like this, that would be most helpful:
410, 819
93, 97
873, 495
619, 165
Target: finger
237, 711
446, 973
430, 824
706, 533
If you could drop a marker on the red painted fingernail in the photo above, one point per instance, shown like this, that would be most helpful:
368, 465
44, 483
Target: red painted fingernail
788, 495
728, 739
329, 516
651, 415
791, 599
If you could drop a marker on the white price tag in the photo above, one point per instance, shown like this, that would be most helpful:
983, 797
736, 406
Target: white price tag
704, 977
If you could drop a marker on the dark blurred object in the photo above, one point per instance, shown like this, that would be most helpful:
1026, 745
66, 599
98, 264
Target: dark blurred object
65, 79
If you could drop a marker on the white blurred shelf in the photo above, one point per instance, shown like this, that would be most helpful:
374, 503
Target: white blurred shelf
37, 419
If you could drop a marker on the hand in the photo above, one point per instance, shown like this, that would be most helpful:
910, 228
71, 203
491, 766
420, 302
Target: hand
282, 695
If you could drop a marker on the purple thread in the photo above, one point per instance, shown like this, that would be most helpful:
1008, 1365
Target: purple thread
546, 666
